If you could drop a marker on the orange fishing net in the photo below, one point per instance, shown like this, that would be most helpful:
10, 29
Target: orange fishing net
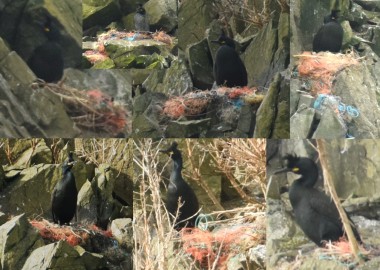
72, 235
214, 248
92, 109
322, 68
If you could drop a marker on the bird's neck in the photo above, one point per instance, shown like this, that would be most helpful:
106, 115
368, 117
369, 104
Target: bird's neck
66, 171
309, 178
177, 169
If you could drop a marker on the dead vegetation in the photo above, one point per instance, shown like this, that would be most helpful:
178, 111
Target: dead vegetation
321, 69
92, 109
256, 13
158, 245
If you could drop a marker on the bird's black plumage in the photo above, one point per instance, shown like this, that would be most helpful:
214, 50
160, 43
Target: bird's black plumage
330, 36
229, 69
141, 19
64, 197
178, 189
314, 211
46, 61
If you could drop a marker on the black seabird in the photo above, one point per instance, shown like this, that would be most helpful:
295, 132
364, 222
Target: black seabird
141, 20
229, 69
330, 36
64, 197
46, 61
314, 211
178, 189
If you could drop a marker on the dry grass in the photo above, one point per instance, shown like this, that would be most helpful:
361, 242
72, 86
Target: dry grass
98, 151
258, 14
242, 161
153, 234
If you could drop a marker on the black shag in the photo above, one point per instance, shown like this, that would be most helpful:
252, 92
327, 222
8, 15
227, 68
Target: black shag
314, 211
330, 36
141, 20
180, 191
229, 69
64, 197
46, 61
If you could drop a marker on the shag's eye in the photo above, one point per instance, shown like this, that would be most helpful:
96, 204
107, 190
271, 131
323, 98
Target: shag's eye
295, 169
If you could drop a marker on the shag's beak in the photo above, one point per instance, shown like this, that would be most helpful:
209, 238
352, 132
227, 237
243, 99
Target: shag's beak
71, 163
170, 150
282, 170
215, 41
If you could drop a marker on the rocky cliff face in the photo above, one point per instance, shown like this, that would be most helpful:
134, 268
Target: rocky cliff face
101, 232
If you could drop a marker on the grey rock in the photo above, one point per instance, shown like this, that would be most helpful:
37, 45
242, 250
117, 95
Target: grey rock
162, 14
187, 129
193, 19
247, 119
91, 260
122, 231
17, 240
301, 123
330, 126
272, 120
100, 12
88, 202
200, 64
59, 255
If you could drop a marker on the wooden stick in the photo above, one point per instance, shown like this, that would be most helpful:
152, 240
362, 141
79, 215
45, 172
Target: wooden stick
322, 145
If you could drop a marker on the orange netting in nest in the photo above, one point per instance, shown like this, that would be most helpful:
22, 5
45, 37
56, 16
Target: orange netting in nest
51, 232
132, 36
236, 92
99, 54
209, 248
163, 37
91, 109
73, 236
321, 68
94, 56
185, 106
340, 250
195, 103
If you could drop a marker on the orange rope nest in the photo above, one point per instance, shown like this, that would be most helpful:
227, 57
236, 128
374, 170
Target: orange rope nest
196, 103
209, 248
49, 231
73, 236
321, 68
236, 92
99, 54
183, 106
91, 109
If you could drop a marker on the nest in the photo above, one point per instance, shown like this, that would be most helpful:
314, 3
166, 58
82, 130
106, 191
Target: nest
72, 235
322, 68
183, 106
99, 54
196, 103
132, 36
231, 237
92, 109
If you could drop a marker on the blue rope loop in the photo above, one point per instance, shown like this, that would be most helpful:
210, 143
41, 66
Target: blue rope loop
351, 110
202, 221
319, 101
132, 38
343, 108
